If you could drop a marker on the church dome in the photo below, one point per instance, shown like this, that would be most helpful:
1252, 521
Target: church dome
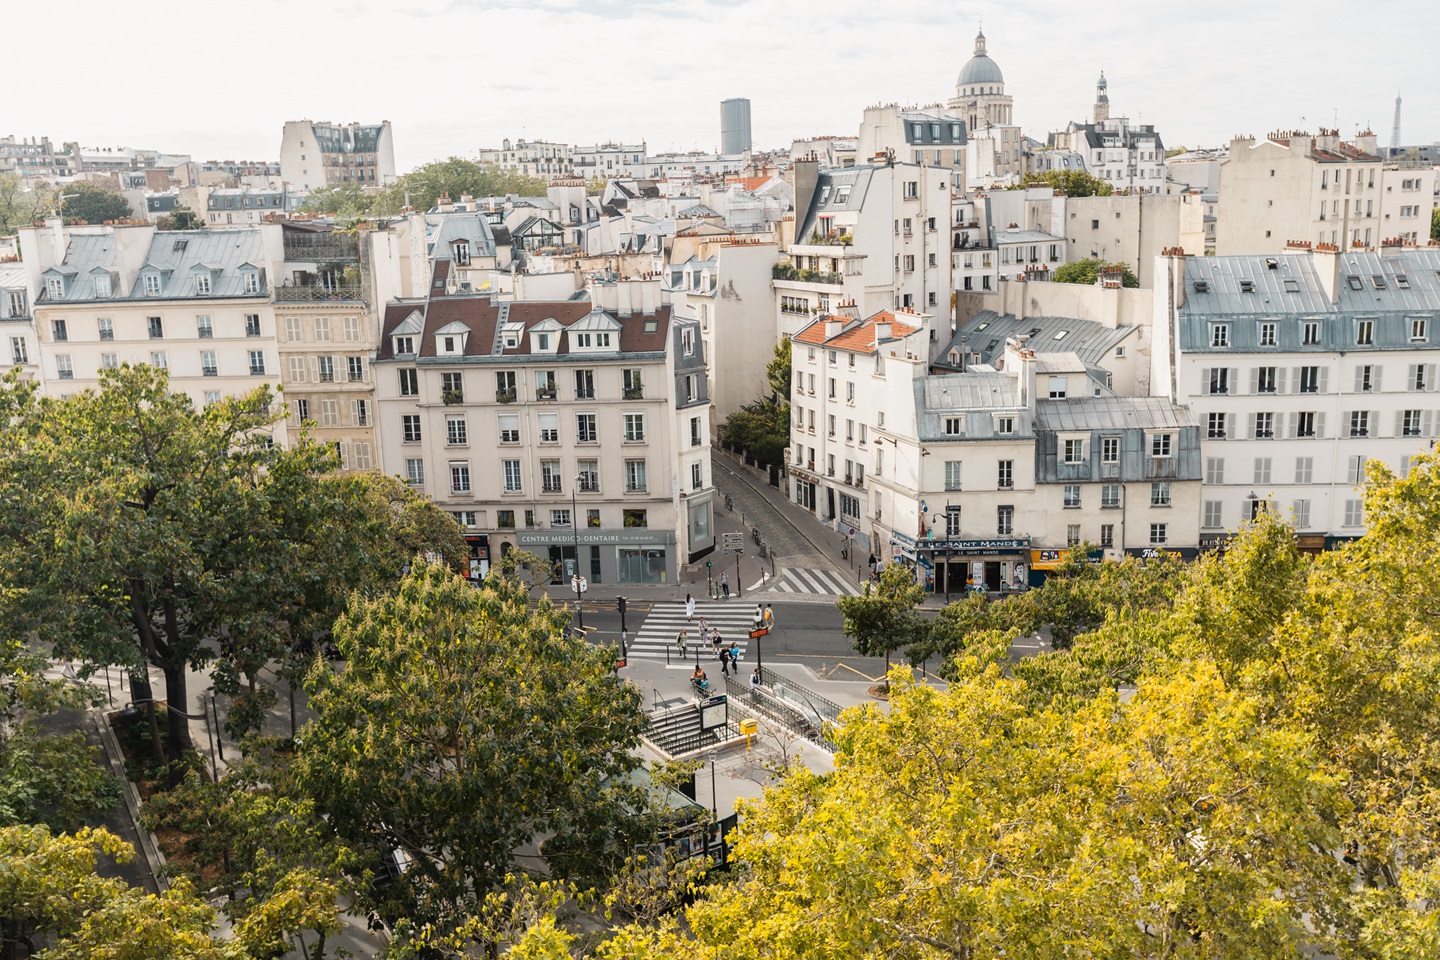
980, 68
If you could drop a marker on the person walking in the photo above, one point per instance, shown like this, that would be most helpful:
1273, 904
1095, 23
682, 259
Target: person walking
724, 662
704, 632
769, 617
725, 585
735, 654
755, 679
689, 607
715, 639
759, 615
680, 642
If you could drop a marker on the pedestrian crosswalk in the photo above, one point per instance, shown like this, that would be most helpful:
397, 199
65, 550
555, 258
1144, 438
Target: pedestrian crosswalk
812, 581
733, 618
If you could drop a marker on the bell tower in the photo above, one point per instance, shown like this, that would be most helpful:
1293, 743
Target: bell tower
1102, 100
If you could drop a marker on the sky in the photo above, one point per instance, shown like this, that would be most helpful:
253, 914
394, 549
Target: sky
217, 80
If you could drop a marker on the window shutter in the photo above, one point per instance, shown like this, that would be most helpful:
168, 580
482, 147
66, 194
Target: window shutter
1295, 378
1319, 426
1254, 380
355, 411
1233, 384
1429, 376
1279, 379
1375, 378
1410, 376
1399, 423
1204, 381
1294, 425
1323, 382
1230, 427
1359, 377
1427, 423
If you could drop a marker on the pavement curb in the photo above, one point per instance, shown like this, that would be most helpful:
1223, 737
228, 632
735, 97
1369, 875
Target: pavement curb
778, 503
149, 845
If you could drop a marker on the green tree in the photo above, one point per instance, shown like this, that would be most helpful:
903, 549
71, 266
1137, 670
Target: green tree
181, 218
452, 699
1073, 183
454, 177
51, 778
21, 203
92, 204
345, 200
48, 883
883, 618
1435, 224
1085, 271
762, 427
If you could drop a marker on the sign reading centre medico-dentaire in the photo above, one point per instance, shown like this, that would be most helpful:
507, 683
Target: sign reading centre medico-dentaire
629, 536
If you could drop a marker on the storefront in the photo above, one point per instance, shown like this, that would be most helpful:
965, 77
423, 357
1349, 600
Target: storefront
629, 555
1044, 562
953, 565
1155, 553
479, 544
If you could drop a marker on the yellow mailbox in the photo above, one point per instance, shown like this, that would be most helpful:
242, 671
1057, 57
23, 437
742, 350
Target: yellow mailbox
749, 727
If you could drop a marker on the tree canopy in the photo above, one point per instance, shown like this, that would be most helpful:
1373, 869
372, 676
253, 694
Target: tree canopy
1085, 272
1073, 183
882, 618
92, 203
762, 427
422, 188
21, 203
463, 727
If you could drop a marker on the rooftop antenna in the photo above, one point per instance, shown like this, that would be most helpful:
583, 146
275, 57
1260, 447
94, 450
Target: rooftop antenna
1395, 128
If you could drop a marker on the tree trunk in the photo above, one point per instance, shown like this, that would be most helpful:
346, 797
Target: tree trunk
290, 683
142, 694
179, 700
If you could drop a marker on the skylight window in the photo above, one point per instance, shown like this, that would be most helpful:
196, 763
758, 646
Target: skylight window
1379, 281
1062, 334
1202, 286
1292, 285
1402, 281
1247, 286
1355, 283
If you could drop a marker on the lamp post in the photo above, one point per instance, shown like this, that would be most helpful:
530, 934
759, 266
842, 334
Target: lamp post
575, 530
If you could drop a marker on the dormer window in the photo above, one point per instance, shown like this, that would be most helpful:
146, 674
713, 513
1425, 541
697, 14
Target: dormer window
450, 339
511, 340
102, 285
461, 251
449, 344
404, 346
252, 281
542, 341
152, 284
202, 284
55, 287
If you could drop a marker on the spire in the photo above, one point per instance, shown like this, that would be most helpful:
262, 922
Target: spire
980, 42
1102, 99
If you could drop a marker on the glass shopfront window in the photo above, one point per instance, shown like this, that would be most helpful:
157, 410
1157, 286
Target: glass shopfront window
641, 564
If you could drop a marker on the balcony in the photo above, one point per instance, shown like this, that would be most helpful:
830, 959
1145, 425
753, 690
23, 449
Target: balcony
788, 271
504, 396
551, 485
316, 293
452, 397
544, 393
331, 247
589, 486
634, 393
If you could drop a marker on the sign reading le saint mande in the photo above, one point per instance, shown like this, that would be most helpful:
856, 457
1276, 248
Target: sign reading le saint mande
959, 548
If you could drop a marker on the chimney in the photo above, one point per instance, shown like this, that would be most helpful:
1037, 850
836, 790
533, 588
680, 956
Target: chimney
883, 330
833, 326
56, 226
1327, 269
622, 299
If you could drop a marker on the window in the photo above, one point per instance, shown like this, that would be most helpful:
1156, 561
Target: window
1354, 513
1418, 329
505, 519
1074, 451
1072, 496
352, 329
1310, 333
327, 369
410, 427
1160, 444
1160, 493
1110, 496
1356, 472
456, 433
1058, 387
109, 361
585, 431
634, 389
549, 428
59, 331
850, 393
1264, 426
1004, 426
452, 387
1219, 381
635, 476
1267, 334
509, 424
329, 413
158, 360
1364, 332
1217, 425
1367, 378
1360, 423
19, 351
1219, 334
1421, 376
1005, 474
459, 477
1159, 534
152, 284
831, 428
953, 426
550, 479
409, 382
588, 475
252, 282
322, 329
1301, 514
64, 366
952, 474
415, 471
1004, 520
360, 409
55, 288
1410, 423
1310, 380
102, 285
19, 304
697, 475
1214, 471
208, 367
202, 284
1107, 534
634, 427
1305, 424
156, 327
1212, 515
1304, 469
560, 518
832, 387
1262, 469
584, 384
1110, 450
687, 341
404, 346
293, 328
505, 386
635, 518
510, 470
356, 367
302, 410
257, 363
106, 328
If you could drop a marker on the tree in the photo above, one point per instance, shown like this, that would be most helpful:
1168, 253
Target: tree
883, 618
455, 177
91, 203
181, 218
50, 778
1085, 271
455, 699
21, 204
49, 882
1073, 183
1435, 224
345, 200
762, 427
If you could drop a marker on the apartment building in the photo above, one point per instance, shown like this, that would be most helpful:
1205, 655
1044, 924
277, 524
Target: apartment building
324, 154
875, 235
607, 160
1301, 367
17, 330
576, 429
196, 303
531, 158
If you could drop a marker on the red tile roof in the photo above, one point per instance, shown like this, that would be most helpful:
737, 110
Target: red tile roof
857, 336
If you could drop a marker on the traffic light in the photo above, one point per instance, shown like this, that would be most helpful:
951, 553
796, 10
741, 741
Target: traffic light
620, 604
707, 564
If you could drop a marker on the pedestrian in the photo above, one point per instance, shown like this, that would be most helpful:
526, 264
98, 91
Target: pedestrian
759, 615
724, 662
735, 653
769, 617
725, 585
689, 607
715, 639
680, 643
755, 679
704, 632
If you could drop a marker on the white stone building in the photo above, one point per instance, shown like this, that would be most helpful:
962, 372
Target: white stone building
531, 158
316, 154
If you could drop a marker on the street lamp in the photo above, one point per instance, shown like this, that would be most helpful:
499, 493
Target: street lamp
575, 530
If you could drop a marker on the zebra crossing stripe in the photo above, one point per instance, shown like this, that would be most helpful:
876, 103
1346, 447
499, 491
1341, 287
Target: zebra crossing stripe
658, 631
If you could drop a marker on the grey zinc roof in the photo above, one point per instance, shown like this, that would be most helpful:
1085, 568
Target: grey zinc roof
857, 178
1090, 341
1223, 275
1111, 413
464, 226
84, 253
175, 253
1026, 236
974, 396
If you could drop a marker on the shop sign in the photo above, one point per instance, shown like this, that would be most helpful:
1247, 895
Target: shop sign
1155, 553
629, 537
979, 547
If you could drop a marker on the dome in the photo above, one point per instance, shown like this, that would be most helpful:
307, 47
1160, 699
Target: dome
980, 69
